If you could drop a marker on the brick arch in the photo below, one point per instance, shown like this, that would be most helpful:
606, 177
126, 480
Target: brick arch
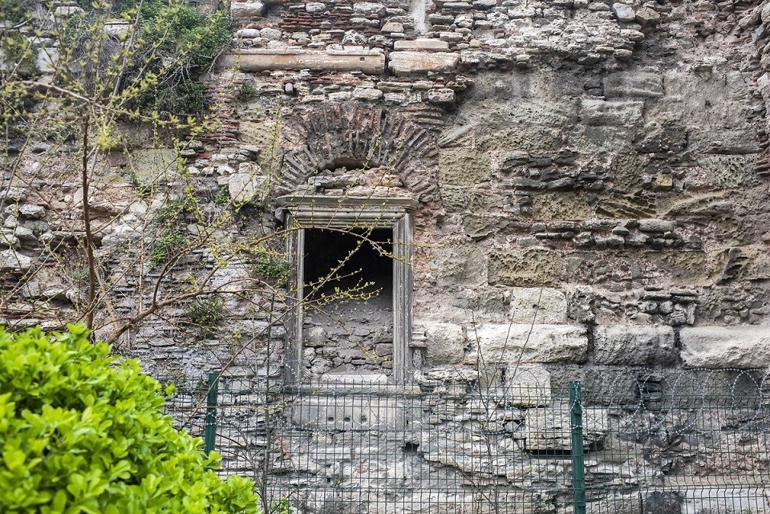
356, 133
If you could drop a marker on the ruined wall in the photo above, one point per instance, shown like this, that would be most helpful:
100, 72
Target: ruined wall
605, 162
590, 182
597, 170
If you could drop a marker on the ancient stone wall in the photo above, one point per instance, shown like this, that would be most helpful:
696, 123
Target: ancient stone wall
595, 170
587, 181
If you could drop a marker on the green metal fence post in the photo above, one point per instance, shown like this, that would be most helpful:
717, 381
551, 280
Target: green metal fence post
210, 427
578, 463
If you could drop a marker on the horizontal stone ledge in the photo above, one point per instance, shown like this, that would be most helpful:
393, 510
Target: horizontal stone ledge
421, 44
726, 347
408, 62
372, 63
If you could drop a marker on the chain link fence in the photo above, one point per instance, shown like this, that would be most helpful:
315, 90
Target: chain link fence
530, 441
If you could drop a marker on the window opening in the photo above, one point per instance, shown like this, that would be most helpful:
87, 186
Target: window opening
352, 333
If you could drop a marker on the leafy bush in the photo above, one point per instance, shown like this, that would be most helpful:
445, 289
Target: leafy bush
196, 40
83, 431
270, 265
206, 312
166, 246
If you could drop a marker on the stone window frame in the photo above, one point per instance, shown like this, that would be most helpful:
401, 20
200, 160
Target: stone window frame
300, 213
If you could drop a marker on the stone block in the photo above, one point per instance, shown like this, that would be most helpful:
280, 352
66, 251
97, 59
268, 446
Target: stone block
349, 382
463, 167
527, 386
525, 267
539, 343
31, 211
543, 305
548, 429
630, 345
245, 10
630, 83
421, 44
624, 12
442, 96
10, 260
612, 113
353, 412
284, 59
46, 59
247, 188
368, 8
409, 62
726, 347
445, 342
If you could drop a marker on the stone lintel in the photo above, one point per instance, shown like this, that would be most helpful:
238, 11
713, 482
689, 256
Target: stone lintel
408, 62
421, 44
372, 63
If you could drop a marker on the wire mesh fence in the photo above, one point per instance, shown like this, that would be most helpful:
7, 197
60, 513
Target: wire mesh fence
622, 442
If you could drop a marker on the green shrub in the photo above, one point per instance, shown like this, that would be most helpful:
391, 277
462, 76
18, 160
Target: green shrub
165, 247
82, 431
270, 265
206, 312
247, 92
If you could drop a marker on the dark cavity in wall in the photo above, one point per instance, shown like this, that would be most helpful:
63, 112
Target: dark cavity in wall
350, 334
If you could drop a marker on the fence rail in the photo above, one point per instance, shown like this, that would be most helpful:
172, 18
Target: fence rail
644, 442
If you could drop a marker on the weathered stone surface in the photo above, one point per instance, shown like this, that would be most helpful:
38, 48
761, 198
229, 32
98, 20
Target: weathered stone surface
507, 343
348, 413
445, 342
11, 260
342, 60
655, 225
462, 167
633, 83
628, 345
527, 386
32, 212
443, 96
720, 347
408, 62
315, 7
249, 9
421, 44
247, 187
624, 12
540, 305
154, 164
368, 8
525, 267
612, 113
647, 15
548, 429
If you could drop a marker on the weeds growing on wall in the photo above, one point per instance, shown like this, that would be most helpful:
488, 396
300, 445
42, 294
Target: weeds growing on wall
166, 246
206, 313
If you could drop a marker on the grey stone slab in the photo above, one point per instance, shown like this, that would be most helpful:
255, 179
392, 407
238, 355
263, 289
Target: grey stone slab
634, 345
261, 60
726, 347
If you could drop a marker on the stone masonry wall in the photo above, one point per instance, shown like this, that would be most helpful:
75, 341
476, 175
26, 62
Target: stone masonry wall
605, 162
598, 169
590, 179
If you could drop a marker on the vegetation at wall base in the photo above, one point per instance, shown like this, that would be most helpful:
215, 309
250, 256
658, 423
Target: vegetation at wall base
83, 431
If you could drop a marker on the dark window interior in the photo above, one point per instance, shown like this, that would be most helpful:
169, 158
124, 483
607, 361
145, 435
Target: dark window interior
325, 249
